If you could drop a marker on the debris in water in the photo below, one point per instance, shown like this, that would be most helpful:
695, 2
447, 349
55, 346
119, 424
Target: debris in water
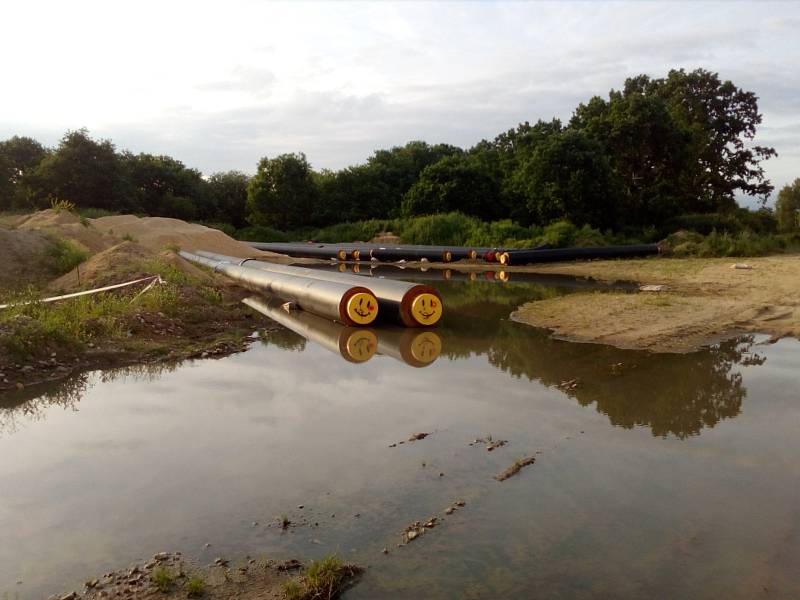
418, 436
570, 384
289, 565
515, 468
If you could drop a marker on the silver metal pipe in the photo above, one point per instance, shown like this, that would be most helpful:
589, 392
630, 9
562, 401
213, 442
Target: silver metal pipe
417, 348
411, 304
354, 344
347, 303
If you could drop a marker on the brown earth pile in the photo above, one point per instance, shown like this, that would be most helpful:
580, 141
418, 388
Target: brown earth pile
67, 225
124, 262
704, 301
23, 258
158, 233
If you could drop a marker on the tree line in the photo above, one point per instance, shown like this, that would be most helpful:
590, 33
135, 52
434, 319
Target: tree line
657, 149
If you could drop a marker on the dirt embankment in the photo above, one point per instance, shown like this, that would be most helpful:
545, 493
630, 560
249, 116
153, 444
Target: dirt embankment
168, 577
703, 301
193, 313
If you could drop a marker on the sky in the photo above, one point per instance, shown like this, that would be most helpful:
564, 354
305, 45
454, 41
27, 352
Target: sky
219, 85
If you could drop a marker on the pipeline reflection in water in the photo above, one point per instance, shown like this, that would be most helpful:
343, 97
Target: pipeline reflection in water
417, 348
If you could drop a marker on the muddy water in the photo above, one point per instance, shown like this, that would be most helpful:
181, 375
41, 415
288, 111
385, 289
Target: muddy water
656, 476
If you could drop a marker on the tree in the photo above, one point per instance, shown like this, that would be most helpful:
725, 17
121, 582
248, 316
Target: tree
352, 194
646, 150
719, 121
163, 186
228, 195
18, 157
568, 177
787, 207
399, 168
282, 193
463, 183
82, 170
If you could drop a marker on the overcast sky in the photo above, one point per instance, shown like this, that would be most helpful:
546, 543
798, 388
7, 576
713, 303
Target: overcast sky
218, 85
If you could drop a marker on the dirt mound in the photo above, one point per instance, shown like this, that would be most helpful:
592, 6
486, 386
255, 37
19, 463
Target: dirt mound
23, 258
120, 263
158, 233
67, 225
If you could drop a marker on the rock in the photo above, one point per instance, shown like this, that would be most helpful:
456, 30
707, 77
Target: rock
207, 545
150, 565
449, 510
411, 535
460, 503
20, 386
70, 596
741, 266
418, 436
652, 288
161, 556
441, 474
221, 562
92, 583
385, 551
255, 523
300, 506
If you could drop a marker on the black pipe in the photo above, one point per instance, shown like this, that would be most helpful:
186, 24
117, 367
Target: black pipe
523, 257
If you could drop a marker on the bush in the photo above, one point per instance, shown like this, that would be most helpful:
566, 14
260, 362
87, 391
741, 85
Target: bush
63, 256
261, 233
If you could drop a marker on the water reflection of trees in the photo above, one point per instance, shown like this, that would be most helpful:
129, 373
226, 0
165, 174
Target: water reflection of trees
32, 403
670, 394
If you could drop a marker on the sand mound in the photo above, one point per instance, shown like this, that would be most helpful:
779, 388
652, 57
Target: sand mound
120, 263
23, 258
158, 233
68, 226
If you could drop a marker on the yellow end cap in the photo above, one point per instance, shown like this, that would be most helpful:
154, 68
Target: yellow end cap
362, 308
426, 347
426, 309
503, 258
361, 345
342, 254
448, 256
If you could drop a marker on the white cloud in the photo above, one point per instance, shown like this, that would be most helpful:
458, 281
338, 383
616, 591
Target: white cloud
219, 86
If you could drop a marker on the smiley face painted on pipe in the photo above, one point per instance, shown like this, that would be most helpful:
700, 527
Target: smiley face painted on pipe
362, 308
426, 309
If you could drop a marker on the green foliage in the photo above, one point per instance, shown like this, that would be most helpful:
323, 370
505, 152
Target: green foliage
59, 205
787, 208
63, 255
716, 244
226, 228
195, 586
261, 233
164, 579
228, 195
292, 589
282, 193
29, 327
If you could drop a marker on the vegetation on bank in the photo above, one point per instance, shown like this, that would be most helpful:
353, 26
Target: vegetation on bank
655, 157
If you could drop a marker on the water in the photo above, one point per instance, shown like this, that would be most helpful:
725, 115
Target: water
657, 476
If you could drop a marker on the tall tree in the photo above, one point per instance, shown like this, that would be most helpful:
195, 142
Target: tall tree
282, 193
228, 192
82, 170
461, 182
568, 177
18, 157
163, 186
787, 207
720, 122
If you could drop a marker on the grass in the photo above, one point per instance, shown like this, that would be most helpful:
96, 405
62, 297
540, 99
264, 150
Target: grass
164, 579
32, 329
128, 238
63, 255
195, 586
325, 579
292, 589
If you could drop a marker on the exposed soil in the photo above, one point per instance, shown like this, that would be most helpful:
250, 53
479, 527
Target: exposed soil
250, 580
515, 468
209, 318
703, 301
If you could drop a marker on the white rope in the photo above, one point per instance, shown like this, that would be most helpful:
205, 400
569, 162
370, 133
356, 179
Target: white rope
153, 279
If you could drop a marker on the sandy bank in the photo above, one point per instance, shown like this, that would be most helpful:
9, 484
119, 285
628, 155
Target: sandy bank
705, 300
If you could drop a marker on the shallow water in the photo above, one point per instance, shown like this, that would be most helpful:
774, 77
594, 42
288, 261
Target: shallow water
657, 476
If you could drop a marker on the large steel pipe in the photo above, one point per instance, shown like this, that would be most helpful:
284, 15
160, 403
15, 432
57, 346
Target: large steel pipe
412, 304
322, 251
411, 346
523, 257
348, 303
354, 344
366, 251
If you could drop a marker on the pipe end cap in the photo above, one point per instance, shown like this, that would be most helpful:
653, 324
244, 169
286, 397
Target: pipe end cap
362, 308
426, 309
